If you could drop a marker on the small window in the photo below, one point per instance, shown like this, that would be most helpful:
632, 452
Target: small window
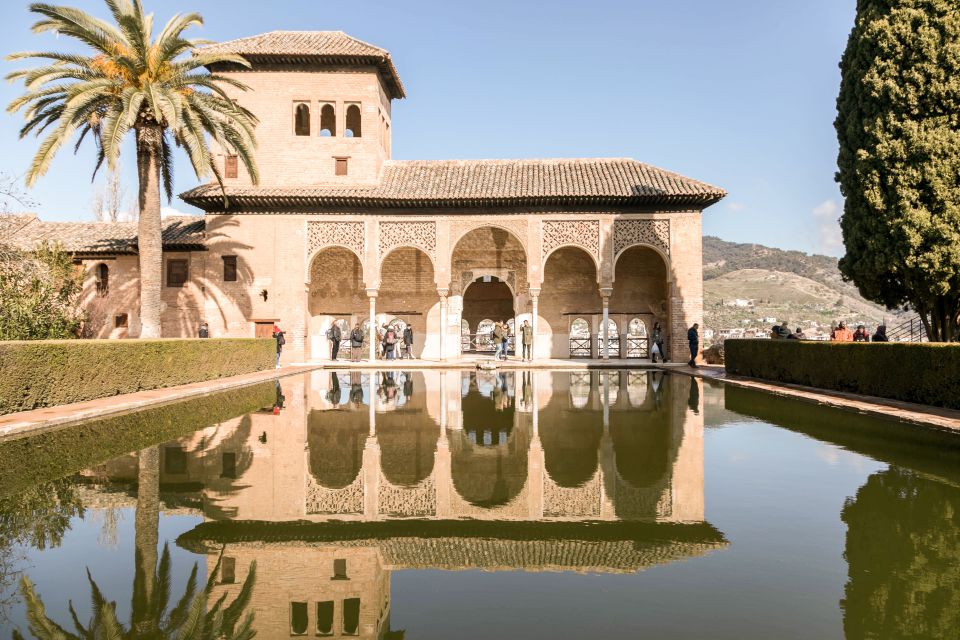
341, 166
228, 570
351, 616
301, 124
298, 618
175, 460
340, 569
176, 272
229, 268
103, 279
353, 121
120, 321
328, 121
230, 166
325, 618
229, 465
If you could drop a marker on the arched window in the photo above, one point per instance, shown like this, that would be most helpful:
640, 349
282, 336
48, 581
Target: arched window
580, 328
637, 328
353, 121
328, 121
464, 328
301, 125
485, 335
103, 279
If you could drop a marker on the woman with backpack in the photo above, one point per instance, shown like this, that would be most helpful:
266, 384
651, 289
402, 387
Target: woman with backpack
389, 343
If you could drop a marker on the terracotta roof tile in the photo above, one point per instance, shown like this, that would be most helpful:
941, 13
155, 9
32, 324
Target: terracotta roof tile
334, 47
453, 183
99, 237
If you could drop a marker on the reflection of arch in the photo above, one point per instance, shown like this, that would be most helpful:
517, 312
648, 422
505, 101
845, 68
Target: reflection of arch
336, 447
571, 441
644, 445
408, 439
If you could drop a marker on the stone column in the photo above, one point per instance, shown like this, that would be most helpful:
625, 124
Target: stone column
534, 313
372, 295
606, 399
605, 294
443, 323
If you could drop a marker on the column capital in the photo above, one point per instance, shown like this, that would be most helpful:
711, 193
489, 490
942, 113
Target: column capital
372, 293
606, 292
443, 293
534, 292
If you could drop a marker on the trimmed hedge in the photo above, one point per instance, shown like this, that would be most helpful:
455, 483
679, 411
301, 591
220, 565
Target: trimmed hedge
51, 455
922, 373
46, 373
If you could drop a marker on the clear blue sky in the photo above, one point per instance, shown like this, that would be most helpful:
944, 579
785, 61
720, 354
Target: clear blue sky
739, 93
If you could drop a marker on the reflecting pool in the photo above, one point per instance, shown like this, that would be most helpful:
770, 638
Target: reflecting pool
461, 504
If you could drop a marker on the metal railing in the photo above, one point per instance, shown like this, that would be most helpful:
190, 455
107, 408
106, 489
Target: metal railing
613, 346
908, 331
637, 347
484, 343
580, 347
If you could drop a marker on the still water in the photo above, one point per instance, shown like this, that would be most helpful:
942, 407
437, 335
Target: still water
465, 505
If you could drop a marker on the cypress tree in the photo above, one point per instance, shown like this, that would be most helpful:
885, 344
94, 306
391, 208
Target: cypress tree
898, 125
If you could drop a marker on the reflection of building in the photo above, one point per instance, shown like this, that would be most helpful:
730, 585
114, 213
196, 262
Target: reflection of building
442, 245
448, 470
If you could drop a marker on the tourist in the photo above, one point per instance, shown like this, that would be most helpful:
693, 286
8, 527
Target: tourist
693, 337
334, 335
278, 336
408, 342
861, 334
797, 335
506, 338
356, 389
841, 333
356, 342
408, 385
657, 341
381, 341
881, 334
526, 338
204, 330
333, 394
389, 343
780, 332
497, 336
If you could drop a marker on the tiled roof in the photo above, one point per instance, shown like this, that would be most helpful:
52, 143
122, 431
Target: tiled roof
465, 183
98, 237
331, 47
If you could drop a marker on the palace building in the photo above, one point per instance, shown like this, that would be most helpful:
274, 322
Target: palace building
591, 251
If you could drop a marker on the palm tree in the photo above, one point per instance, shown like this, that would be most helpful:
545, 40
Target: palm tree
194, 617
160, 88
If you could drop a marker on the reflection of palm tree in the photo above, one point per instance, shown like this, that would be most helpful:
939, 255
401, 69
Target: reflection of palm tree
190, 618
147, 516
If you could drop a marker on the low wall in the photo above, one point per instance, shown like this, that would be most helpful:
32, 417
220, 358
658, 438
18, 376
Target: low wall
45, 373
923, 373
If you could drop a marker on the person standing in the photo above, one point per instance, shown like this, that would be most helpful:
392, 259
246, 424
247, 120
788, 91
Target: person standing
881, 334
497, 340
842, 334
693, 337
657, 341
408, 342
204, 330
334, 335
526, 338
278, 336
356, 342
861, 334
505, 339
389, 343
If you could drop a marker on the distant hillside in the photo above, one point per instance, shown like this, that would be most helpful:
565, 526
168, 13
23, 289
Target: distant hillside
805, 290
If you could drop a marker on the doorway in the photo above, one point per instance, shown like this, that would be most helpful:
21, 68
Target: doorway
485, 301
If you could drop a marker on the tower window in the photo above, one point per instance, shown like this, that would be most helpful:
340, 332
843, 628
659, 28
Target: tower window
328, 121
120, 321
298, 618
229, 268
341, 167
301, 125
229, 465
176, 273
351, 616
230, 166
228, 570
340, 569
103, 279
353, 121
325, 618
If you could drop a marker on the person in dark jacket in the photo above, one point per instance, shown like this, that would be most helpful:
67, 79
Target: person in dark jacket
798, 335
356, 342
278, 336
693, 337
389, 343
656, 343
408, 342
861, 335
204, 330
881, 334
335, 336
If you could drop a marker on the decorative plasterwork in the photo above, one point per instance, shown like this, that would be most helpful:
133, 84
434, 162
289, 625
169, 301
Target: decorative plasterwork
417, 501
627, 233
348, 500
345, 234
577, 502
420, 234
580, 233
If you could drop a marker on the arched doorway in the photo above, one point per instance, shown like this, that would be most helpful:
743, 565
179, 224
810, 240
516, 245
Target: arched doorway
640, 298
569, 298
486, 302
488, 278
336, 295
408, 296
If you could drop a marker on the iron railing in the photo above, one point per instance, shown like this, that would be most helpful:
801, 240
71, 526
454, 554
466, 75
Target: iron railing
484, 343
637, 347
580, 347
908, 331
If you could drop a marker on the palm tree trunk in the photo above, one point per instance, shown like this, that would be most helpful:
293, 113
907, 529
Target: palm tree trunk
149, 240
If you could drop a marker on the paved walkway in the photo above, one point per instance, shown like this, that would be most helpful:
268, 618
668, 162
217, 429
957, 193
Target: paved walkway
27, 422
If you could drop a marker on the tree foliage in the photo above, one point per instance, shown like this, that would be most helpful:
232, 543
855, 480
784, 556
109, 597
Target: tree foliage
898, 125
40, 291
160, 88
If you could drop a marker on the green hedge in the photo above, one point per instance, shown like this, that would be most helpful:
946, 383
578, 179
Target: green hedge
45, 373
922, 373
51, 455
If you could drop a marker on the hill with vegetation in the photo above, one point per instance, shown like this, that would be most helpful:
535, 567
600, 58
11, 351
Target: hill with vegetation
805, 290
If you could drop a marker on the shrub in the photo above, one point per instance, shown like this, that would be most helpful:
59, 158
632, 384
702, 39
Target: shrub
40, 291
54, 372
923, 373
